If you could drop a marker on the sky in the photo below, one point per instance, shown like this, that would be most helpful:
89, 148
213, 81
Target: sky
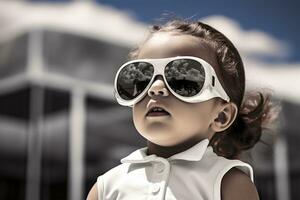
275, 17
264, 32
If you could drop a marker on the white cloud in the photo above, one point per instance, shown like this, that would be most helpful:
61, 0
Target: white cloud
81, 17
249, 42
119, 26
282, 78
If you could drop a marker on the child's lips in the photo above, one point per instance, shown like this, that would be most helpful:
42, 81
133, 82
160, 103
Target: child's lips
157, 114
156, 110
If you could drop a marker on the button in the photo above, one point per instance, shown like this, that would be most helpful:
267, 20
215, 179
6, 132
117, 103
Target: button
155, 188
160, 167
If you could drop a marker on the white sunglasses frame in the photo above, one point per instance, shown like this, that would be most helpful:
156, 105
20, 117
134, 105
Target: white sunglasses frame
211, 87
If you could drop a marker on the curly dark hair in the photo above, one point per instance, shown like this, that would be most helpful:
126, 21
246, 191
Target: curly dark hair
256, 109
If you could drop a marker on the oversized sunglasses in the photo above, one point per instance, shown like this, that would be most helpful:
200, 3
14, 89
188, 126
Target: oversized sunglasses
190, 79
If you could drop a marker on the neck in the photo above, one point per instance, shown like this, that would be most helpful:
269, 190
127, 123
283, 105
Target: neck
168, 151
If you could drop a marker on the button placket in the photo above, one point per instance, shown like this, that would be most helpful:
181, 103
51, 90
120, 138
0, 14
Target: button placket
155, 188
160, 167
161, 172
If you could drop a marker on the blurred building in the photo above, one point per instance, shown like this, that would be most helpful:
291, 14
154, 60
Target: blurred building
60, 126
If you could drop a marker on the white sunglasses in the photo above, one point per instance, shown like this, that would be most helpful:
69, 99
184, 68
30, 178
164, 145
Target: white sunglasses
190, 79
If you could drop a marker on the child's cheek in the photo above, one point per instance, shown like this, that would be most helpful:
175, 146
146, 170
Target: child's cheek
138, 117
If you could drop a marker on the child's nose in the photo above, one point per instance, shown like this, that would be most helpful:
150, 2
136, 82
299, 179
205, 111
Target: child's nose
158, 88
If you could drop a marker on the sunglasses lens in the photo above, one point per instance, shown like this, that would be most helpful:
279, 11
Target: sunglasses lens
133, 79
185, 76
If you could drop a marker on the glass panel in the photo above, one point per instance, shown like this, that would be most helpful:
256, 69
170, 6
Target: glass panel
110, 136
82, 57
294, 164
14, 121
265, 184
56, 101
13, 144
263, 156
55, 146
13, 56
291, 130
261, 159
15, 104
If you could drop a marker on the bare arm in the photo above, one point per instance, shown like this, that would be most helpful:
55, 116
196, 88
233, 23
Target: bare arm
236, 185
93, 194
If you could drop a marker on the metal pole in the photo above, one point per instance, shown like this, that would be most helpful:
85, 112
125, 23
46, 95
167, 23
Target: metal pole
281, 169
34, 144
35, 127
77, 129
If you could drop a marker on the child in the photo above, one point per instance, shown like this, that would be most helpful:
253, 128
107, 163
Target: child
186, 85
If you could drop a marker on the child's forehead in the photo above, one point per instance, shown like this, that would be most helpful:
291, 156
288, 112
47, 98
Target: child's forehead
171, 44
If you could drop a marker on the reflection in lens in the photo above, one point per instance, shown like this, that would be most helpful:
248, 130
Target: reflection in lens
185, 76
133, 79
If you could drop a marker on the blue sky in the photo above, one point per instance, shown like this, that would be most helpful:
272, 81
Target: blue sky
275, 17
264, 32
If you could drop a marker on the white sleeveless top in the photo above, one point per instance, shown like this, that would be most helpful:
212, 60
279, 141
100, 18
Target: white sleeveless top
194, 174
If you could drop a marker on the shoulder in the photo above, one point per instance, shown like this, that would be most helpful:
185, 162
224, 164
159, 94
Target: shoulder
93, 194
115, 173
221, 165
237, 185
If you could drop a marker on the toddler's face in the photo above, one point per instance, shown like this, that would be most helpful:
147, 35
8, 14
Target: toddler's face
187, 121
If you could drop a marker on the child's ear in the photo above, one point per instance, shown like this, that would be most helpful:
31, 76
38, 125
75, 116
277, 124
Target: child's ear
225, 117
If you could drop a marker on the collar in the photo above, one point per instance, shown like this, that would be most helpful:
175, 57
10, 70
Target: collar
195, 153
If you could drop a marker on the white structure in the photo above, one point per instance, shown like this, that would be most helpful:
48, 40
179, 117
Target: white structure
52, 31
